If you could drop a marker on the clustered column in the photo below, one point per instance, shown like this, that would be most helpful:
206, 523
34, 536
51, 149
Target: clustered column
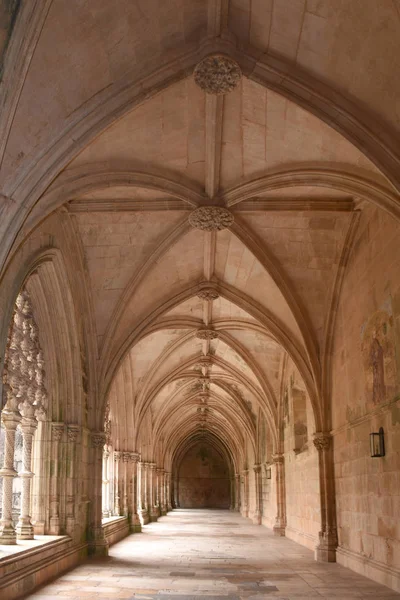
136, 492
245, 493
24, 390
117, 508
328, 540
257, 477
280, 520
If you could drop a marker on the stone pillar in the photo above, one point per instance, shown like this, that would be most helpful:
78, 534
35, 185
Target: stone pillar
163, 500
176, 490
28, 427
136, 491
257, 481
117, 505
152, 492
105, 495
10, 419
237, 492
125, 462
168, 491
96, 539
232, 493
158, 491
280, 519
72, 437
328, 541
246, 493
142, 493
57, 430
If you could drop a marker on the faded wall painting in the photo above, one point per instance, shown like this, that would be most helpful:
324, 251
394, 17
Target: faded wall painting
379, 360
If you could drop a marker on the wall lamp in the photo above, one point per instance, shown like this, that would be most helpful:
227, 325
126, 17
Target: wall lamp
377, 441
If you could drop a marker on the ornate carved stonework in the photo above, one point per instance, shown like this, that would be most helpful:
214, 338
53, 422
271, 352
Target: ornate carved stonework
72, 432
208, 293
257, 468
57, 431
278, 458
217, 74
117, 455
322, 441
211, 218
206, 334
98, 439
135, 457
126, 456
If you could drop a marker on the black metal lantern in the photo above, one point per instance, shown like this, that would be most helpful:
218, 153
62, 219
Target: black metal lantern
377, 442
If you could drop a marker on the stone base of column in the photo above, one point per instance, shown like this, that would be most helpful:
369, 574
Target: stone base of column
154, 514
98, 545
170, 507
8, 535
326, 549
257, 517
135, 525
24, 529
245, 512
54, 526
144, 517
279, 530
163, 511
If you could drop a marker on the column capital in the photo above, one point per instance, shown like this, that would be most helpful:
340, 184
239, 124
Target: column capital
117, 455
126, 456
73, 432
98, 439
278, 458
134, 457
57, 430
10, 419
257, 468
322, 441
28, 425
152, 466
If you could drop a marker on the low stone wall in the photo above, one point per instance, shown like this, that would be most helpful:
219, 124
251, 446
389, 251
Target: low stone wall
115, 529
23, 571
370, 568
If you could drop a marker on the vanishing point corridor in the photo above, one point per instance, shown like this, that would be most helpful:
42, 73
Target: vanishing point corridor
211, 554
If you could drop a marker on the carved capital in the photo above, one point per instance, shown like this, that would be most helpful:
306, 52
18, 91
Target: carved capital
217, 74
134, 457
211, 218
278, 458
117, 455
206, 334
72, 433
98, 439
257, 468
57, 430
322, 441
126, 456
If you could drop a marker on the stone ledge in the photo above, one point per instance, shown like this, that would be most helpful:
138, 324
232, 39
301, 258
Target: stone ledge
115, 529
24, 570
369, 567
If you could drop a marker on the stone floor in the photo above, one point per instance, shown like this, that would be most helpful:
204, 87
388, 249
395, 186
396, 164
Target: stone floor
192, 554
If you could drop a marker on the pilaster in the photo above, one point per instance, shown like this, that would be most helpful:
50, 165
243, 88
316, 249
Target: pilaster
328, 540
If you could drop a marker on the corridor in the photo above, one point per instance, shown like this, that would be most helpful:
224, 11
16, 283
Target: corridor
192, 554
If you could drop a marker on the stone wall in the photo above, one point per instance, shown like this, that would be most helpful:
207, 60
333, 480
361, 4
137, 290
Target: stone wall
365, 396
204, 479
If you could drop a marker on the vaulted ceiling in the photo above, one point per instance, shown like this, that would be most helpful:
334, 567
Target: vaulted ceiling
120, 134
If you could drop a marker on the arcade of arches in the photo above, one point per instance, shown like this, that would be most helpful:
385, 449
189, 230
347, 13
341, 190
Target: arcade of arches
200, 274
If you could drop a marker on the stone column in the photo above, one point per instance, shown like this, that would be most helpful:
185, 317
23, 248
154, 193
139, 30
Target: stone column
163, 504
142, 493
136, 491
105, 495
158, 491
168, 491
97, 542
72, 437
10, 419
176, 489
117, 503
125, 461
257, 481
328, 541
246, 493
280, 519
237, 492
232, 493
28, 427
57, 430
153, 512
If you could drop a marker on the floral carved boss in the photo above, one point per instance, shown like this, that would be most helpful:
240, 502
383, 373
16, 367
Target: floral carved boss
211, 218
217, 74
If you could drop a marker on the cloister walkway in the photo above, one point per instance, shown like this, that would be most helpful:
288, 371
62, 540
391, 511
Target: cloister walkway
192, 554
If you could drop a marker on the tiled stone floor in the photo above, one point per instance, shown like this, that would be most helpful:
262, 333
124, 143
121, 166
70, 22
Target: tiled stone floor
192, 554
